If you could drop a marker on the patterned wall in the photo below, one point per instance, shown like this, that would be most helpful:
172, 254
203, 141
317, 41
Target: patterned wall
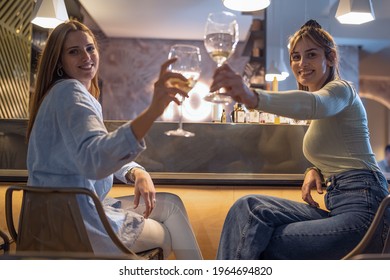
15, 52
129, 68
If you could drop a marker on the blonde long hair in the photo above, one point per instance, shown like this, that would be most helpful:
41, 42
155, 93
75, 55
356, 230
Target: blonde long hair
312, 30
50, 61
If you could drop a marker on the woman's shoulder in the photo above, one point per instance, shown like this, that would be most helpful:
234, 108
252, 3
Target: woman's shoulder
341, 87
347, 85
340, 83
69, 90
67, 93
68, 84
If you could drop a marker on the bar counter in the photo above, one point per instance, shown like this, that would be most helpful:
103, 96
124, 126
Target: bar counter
228, 153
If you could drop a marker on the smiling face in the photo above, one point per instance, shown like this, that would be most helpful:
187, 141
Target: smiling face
309, 64
79, 57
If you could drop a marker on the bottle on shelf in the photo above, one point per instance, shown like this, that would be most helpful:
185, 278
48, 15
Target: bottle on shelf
232, 113
267, 117
216, 113
276, 119
275, 88
254, 116
239, 114
223, 116
262, 117
285, 120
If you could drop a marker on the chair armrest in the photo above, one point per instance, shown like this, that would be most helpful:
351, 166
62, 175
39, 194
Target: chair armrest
9, 211
6, 242
359, 249
371, 257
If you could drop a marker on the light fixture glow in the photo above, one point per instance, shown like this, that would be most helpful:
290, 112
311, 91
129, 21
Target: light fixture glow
355, 11
49, 13
195, 109
246, 5
273, 72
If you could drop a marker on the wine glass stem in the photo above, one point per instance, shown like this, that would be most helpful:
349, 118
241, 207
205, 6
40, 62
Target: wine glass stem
181, 115
219, 90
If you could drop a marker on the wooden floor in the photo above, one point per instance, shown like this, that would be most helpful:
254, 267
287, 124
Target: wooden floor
206, 206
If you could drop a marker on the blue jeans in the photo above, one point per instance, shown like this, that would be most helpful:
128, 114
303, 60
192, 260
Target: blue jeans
265, 227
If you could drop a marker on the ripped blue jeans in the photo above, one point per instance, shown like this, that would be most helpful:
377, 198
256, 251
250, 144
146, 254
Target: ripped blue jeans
265, 227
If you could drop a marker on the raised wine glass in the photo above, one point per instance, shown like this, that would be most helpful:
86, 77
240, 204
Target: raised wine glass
187, 64
220, 40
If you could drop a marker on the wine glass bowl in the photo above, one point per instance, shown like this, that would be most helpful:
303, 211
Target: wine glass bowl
220, 40
187, 64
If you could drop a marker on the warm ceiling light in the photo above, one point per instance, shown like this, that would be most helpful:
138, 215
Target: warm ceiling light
274, 72
355, 11
49, 13
246, 5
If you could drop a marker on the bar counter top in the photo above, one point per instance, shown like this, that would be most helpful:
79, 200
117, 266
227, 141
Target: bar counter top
219, 154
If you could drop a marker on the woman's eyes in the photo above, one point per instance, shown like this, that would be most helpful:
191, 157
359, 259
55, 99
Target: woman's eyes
296, 57
73, 51
308, 55
89, 49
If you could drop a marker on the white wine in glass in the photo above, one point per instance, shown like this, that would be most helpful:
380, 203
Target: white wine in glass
220, 40
187, 64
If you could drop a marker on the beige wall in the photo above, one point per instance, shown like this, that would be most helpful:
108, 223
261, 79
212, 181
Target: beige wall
375, 93
379, 126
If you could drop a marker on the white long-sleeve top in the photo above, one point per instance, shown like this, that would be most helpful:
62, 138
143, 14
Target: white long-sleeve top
337, 139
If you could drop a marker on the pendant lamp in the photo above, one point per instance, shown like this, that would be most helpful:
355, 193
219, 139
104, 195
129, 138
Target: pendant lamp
274, 72
246, 5
355, 11
49, 13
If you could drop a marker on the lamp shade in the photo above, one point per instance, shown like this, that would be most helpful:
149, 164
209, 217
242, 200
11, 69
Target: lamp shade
355, 11
246, 5
273, 72
49, 13
282, 65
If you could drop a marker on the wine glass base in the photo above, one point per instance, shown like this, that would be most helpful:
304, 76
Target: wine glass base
180, 132
218, 98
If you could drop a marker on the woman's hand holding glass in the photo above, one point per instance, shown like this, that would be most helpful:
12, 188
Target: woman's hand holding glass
220, 40
164, 93
188, 65
234, 86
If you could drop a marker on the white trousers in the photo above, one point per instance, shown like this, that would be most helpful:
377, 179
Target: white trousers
167, 227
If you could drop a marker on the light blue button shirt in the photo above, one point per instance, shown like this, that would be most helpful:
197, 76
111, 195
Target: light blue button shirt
70, 146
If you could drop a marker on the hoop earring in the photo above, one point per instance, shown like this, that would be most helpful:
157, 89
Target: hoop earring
60, 72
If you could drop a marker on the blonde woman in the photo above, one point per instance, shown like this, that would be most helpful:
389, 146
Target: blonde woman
336, 143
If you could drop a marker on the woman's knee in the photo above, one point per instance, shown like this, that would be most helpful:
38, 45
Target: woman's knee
249, 201
168, 205
170, 198
153, 235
